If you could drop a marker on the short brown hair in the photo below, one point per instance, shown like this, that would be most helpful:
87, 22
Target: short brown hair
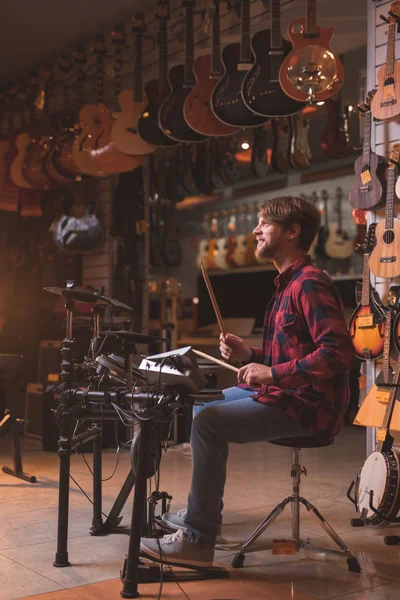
287, 210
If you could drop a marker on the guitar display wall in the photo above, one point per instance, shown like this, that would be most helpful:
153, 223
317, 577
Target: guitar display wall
384, 135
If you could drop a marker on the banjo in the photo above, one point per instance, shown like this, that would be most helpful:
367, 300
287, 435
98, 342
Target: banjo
380, 472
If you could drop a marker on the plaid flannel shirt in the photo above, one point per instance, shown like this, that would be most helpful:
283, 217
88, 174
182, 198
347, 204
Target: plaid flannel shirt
308, 346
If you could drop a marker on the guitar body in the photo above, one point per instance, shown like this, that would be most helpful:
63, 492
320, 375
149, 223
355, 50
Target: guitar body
90, 124
221, 254
385, 257
337, 244
102, 151
211, 254
313, 56
226, 100
50, 168
33, 168
386, 102
300, 151
124, 133
368, 340
197, 108
147, 125
63, 159
22, 141
260, 94
282, 143
171, 117
370, 195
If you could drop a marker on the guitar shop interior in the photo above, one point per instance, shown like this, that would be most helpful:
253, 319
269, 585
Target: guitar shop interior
139, 143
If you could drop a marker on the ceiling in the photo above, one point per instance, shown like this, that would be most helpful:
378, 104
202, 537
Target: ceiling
31, 32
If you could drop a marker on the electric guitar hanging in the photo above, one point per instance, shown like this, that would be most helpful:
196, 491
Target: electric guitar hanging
311, 72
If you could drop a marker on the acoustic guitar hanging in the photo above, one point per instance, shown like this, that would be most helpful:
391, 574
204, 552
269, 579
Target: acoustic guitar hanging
386, 102
311, 72
385, 258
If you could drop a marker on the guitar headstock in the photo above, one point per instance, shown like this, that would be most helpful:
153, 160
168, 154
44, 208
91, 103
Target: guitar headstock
163, 10
138, 22
394, 11
394, 156
369, 242
394, 297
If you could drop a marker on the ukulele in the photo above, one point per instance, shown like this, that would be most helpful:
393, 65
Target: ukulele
335, 140
32, 167
171, 117
89, 122
311, 72
207, 70
104, 154
61, 122
300, 151
239, 255
261, 90
202, 251
124, 134
21, 142
366, 324
380, 472
221, 243
386, 102
157, 90
338, 244
227, 100
368, 189
282, 144
212, 243
385, 257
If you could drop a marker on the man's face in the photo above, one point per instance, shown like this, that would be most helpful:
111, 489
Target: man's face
270, 238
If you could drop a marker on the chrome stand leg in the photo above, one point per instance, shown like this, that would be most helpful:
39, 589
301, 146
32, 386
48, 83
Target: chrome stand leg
264, 524
295, 472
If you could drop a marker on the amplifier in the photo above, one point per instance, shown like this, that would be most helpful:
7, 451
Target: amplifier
33, 424
49, 361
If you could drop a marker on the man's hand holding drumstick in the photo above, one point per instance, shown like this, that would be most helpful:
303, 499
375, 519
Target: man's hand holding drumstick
232, 348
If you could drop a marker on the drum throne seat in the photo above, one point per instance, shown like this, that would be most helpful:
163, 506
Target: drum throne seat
295, 543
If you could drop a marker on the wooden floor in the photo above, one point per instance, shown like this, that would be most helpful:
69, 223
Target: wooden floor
258, 478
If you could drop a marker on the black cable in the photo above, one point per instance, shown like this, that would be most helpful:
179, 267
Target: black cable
116, 464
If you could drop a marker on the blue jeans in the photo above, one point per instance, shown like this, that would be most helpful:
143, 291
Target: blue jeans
237, 418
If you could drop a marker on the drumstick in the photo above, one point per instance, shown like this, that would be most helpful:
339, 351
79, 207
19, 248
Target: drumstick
216, 360
212, 298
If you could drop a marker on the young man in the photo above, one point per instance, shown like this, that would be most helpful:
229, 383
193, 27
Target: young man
296, 385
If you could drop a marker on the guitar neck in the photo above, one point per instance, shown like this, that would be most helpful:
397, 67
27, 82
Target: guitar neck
137, 73
366, 284
276, 50
389, 212
189, 47
386, 345
390, 56
383, 430
311, 18
245, 47
339, 210
367, 138
216, 41
162, 60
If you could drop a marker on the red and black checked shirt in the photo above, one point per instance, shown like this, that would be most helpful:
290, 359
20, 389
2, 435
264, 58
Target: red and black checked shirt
308, 346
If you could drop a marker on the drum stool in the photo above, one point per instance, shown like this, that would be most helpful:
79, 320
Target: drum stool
295, 500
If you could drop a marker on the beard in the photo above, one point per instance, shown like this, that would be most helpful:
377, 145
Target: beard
267, 251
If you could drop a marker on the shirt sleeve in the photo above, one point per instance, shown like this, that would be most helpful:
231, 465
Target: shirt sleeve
320, 307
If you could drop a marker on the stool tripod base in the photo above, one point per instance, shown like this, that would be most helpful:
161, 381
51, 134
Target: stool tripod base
20, 475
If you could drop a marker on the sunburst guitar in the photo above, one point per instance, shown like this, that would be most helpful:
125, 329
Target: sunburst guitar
367, 323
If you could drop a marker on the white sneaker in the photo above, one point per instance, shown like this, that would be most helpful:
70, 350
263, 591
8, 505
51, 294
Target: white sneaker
177, 549
176, 521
